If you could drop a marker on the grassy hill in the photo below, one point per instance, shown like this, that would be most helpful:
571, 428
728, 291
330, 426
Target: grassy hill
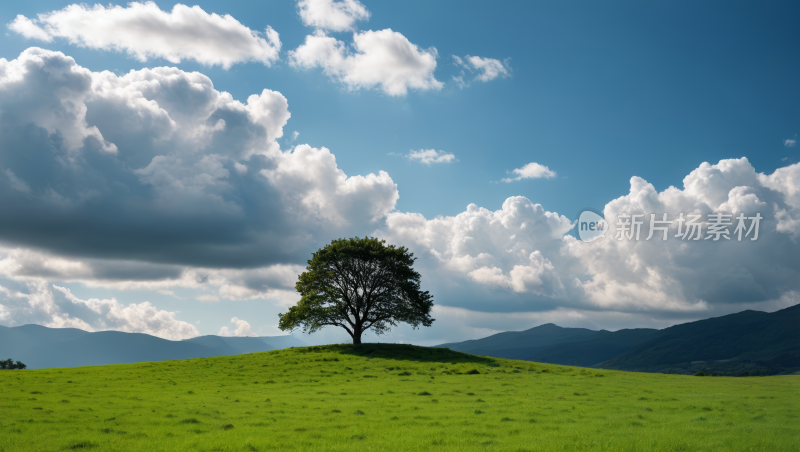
384, 397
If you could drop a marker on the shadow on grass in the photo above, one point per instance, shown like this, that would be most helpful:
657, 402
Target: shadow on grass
400, 352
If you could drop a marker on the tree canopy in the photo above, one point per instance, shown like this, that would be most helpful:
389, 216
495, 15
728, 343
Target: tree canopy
359, 285
9, 364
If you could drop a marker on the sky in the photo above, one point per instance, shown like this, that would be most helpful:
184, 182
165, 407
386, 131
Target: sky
169, 168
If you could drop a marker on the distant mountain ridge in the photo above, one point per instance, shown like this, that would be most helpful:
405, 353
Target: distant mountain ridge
553, 344
745, 343
525, 344
748, 342
592, 352
42, 347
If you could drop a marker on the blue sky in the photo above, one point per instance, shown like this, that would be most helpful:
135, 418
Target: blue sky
597, 93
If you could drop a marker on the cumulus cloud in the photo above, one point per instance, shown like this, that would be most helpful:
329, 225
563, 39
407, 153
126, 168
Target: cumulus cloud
332, 15
519, 258
57, 307
274, 282
786, 182
309, 178
789, 143
208, 298
528, 277
532, 170
242, 329
681, 275
155, 180
17, 183
384, 60
144, 31
428, 156
33, 273
184, 173
485, 69
481, 250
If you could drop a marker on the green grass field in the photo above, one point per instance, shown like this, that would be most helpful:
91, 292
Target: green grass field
382, 397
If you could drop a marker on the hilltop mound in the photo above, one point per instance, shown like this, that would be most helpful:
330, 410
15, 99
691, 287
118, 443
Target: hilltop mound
400, 352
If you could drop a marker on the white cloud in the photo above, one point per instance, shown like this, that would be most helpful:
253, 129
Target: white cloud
680, 276
428, 156
519, 259
309, 178
241, 169
332, 15
216, 205
677, 275
487, 69
383, 60
275, 282
532, 170
789, 143
17, 183
786, 182
29, 29
145, 31
504, 249
208, 298
36, 302
55, 102
242, 329
36, 271
161, 151
199, 172
537, 276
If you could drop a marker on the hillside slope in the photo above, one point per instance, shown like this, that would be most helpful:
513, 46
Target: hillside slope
388, 397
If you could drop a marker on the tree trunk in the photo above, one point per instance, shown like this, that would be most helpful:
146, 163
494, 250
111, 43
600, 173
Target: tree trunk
356, 336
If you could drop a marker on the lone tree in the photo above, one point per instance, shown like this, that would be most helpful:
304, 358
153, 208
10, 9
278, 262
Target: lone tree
359, 284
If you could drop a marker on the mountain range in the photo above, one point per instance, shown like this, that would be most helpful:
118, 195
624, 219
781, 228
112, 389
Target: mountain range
745, 343
41, 347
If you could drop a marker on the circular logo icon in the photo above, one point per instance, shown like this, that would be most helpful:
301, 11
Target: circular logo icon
591, 226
